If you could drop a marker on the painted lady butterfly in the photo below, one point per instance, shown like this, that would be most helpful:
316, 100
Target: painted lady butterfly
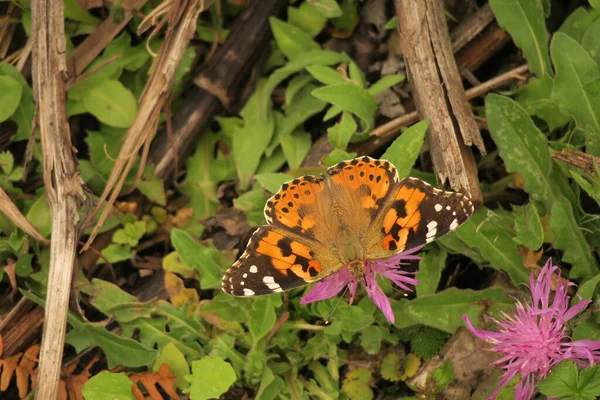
359, 211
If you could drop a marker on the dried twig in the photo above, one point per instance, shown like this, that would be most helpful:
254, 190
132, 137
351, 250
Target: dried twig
64, 186
14, 214
586, 162
94, 43
439, 94
245, 49
182, 17
472, 26
392, 128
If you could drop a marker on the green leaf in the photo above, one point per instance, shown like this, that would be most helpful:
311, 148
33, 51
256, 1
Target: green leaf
272, 181
528, 227
535, 99
251, 140
390, 367
328, 8
315, 57
108, 385
569, 238
339, 135
210, 262
427, 341
384, 83
210, 378
356, 384
588, 288
119, 350
116, 252
336, 156
562, 380
350, 97
442, 376
443, 310
39, 215
522, 146
10, 96
524, 20
392, 23
292, 40
495, 244
176, 361
430, 271
575, 68
262, 317
325, 75
111, 103
405, 150
590, 40
296, 146
252, 203
307, 18
296, 83
370, 339
577, 23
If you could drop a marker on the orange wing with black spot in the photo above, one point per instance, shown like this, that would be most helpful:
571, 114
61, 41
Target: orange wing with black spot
275, 260
416, 214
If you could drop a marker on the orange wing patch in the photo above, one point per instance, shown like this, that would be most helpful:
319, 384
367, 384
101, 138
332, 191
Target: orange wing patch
402, 216
372, 178
288, 206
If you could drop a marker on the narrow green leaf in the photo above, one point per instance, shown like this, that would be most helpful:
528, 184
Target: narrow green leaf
528, 227
578, 22
292, 40
296, 146
296, 83
307, 18
495, 244
340, 134
385, 83
430, 271
325, 75
569, 238
575, 68
522, 146
405, 150
524, 20
328, 8
350, 97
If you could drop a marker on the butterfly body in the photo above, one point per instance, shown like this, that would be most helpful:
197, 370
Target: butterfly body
359, 211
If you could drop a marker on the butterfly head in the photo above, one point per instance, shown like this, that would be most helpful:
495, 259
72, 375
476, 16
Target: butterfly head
356, 268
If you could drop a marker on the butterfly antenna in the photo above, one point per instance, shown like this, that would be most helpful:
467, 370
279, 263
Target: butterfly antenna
336, 306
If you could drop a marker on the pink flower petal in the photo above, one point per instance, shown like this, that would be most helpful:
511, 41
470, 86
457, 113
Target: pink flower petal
378, 297
331, 286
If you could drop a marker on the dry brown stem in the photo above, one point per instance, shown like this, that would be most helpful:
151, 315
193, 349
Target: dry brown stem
585, 162
438, 93
14, 214
64, 186
181, 17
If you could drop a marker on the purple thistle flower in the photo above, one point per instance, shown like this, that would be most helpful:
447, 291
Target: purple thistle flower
334, 283
534, 338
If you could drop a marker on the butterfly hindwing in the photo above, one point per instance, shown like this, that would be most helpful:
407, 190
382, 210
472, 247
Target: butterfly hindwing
419, 213
274, 261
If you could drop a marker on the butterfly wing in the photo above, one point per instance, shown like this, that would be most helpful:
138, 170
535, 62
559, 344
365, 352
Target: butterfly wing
414, 214
276, 260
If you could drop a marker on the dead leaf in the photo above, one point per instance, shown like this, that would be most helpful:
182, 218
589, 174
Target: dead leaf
10, 269
163, 378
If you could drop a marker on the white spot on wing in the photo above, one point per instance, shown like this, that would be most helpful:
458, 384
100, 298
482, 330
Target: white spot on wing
248, 292
431, 231
245, 276
242, 283
253, 269
438, 207
454, 224
448, 208
271, 284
